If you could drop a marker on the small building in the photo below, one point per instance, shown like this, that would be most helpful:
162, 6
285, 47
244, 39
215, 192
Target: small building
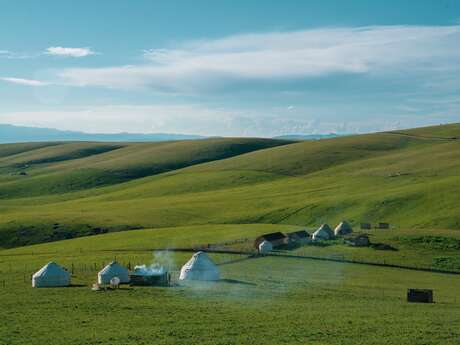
383, 226
112, 270
366, 226
51, 275
277, 239
358, 241
265, 247
298, 237
150, 276
420, 295
200, 267
344, 228
324, 232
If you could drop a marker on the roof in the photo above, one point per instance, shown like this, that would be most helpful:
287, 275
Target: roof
323, 232
113, 268
51, 269
325, 227
200, 267
343, 228
299, 234
274, 236
200, 260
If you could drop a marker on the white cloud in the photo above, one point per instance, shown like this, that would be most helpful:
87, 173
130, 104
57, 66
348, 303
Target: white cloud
185, 118
218, 121
6, 54
26, 82
69, 52
270, 57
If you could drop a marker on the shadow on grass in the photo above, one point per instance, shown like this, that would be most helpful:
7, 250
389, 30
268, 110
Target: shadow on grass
235, 281
383, 246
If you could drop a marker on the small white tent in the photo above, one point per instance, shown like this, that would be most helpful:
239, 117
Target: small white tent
342, 229
265, 247
112, 270
199, 267
324, 232
51, 275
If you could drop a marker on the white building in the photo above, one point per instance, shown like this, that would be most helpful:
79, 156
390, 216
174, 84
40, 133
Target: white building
324, 232
199, 267
51, 275
344, 228
265, 247
112, 270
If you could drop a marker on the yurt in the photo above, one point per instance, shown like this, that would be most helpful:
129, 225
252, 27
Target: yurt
324, 232
199, 267
344, 228
51, 275
112, 270
265, 247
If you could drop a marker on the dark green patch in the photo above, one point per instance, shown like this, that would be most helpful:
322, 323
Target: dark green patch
447, 262
431, 242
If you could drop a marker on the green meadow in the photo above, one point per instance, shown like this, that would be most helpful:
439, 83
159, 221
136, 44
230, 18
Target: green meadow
270, 300
85, 204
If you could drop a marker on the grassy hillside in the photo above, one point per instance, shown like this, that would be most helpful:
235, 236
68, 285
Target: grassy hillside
409, 179
68, 167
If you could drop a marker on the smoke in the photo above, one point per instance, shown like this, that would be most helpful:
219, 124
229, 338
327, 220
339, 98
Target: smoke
162, 261
153, 269
164, 258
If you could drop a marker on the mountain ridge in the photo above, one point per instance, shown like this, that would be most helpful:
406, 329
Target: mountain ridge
16, 134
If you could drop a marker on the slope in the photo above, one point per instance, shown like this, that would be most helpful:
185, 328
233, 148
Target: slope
69, 167
408, 181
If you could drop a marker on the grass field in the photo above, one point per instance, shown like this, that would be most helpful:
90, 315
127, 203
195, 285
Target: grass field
270, 300
75, 202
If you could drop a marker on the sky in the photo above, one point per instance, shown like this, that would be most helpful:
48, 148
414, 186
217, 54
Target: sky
229, 68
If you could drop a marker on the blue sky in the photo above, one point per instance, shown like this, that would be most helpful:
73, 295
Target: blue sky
234, 68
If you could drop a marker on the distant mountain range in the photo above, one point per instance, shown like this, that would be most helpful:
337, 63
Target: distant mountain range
301, 137
16, 134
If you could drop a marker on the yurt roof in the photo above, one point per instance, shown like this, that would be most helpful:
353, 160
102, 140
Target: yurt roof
51, 268
201, 261
327, 228
113, 266
343, 226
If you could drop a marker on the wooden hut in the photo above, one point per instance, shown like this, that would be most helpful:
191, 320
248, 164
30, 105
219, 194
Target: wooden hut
277, 239
298, 237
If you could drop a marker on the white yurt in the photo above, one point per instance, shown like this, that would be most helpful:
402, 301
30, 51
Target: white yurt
51, 275
344, 228
265, 247
324, 232
112, 270
199, 267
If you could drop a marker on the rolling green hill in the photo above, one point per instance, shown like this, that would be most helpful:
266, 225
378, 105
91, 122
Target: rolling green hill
409, 178
185, 194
